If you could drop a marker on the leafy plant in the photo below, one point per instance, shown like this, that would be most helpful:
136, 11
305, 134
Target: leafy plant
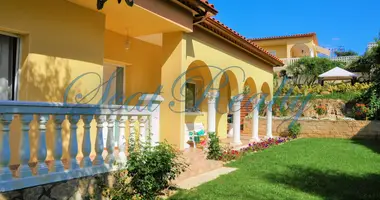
374, 106
360, 111
214, 150
294, 129
345, 53
320, 109
307, 69
147, 173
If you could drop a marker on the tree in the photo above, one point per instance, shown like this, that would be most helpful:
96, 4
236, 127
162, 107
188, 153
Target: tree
100, 3
306, 70
345, 53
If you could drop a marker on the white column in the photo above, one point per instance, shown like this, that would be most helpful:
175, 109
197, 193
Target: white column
24, 169
99, 144
86, 143
42, 150
5, 148
211, 114
153, 105
110, 158
73, 144
122, 140
236, 120
269, 119
58, 166
255, 121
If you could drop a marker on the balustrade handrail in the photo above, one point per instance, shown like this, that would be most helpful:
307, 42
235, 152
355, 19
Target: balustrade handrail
145, 115
25, 107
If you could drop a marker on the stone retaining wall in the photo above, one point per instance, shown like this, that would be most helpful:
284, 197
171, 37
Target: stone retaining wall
322, 128
76, 189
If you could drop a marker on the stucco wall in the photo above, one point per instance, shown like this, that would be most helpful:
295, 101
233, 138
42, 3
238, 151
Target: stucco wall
60, 41
204, 47
323, 128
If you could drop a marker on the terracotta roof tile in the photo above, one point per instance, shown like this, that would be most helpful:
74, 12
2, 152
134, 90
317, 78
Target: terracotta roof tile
209, 4
287, 36
238, 39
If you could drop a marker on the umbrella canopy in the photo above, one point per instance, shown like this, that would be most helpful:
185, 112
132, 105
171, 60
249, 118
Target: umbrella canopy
337, 74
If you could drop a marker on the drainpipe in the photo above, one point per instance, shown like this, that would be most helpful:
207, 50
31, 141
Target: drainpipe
201, 17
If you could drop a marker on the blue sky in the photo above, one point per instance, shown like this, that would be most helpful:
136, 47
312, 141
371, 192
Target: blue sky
351, 23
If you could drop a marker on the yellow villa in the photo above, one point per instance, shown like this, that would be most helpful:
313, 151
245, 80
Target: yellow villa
289, 48
74, 79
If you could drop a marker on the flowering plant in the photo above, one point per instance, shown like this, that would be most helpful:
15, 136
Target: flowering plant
320, 109
230, 154
360, 111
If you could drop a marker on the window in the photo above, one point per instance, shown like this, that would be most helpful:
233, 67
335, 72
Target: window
273, 52
190, 96
113, 85
8, 63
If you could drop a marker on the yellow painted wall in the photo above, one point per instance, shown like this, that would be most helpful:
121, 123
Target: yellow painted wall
202, 46
280, 50
60, 41
283, 46
143, 61
172, 119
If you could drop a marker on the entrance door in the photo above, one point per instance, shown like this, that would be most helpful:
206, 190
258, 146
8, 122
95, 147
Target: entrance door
113, 94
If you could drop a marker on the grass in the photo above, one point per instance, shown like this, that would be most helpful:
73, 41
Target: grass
301, 169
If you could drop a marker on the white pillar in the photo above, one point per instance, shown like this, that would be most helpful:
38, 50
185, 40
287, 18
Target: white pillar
153, 105
255, 121
236, 120
211, 114
269, 119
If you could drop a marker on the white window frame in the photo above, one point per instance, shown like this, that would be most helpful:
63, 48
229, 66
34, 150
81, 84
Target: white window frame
17, 64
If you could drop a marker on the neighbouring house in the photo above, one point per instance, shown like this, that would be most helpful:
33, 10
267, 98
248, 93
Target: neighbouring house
290, 48
71, 76
371, 45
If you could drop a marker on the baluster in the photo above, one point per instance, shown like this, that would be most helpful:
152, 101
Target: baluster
132, 134
24, 168
73, 145
142, 123
42, 150
58, 143
122, 140
86, 144
5, 155
110, 140
99, 145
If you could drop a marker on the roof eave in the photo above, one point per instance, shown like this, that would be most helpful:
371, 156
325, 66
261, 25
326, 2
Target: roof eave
240, 42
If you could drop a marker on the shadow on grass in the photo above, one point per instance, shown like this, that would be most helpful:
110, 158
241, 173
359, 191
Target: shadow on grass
374, 145
329, 184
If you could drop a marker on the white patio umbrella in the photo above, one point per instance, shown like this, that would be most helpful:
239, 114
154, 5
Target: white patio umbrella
337, 74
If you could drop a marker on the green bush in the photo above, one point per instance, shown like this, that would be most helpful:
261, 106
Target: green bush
214, 150
151, 170
294, 130
147, 174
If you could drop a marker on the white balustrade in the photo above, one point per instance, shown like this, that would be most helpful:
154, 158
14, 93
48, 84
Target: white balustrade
141, 122
345, 59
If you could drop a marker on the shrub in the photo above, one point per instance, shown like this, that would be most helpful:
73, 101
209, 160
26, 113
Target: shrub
360, 111
151, 170
230, 154
147, 173
374, 106
214, 150
320, 109
294, 129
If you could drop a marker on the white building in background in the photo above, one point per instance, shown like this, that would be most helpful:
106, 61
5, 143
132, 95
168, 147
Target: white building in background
371, 45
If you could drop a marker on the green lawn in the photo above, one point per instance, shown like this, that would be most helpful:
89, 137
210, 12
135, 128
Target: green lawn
300, 169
